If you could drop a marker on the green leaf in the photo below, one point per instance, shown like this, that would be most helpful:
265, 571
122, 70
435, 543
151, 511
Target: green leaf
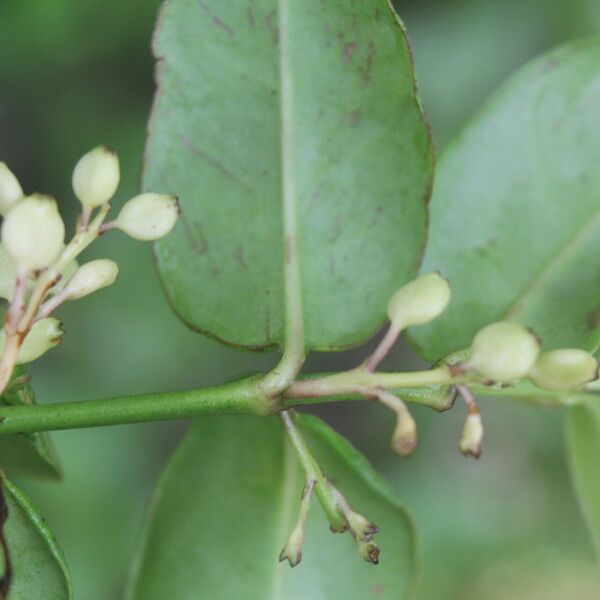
515, 217
39, 571
26, 454
357, 160
228, 500
583, 430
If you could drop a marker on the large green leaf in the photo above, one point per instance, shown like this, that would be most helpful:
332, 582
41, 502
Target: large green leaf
515, 212
584, 453
26, 454
356, 153
227, 502
39, 571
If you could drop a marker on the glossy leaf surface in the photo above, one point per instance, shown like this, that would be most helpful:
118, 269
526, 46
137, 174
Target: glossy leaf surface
39, 571
312, 100
515, 212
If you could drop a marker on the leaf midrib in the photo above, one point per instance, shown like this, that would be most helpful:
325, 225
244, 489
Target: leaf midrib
547, 271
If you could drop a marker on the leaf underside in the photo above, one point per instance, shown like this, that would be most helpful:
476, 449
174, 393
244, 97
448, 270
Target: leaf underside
583, 430
515, 211
26, 454
227, 502
39, 568
359, 148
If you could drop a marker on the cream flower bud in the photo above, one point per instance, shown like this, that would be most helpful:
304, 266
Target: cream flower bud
44, 335
96, 177
8, 275
33, 232
472, 436
564, 369
148, 216
10, 189
90, 277
503, 352
419, 301
405, 438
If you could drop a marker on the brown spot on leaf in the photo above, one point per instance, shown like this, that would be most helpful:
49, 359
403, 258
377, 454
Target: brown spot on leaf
348, 51
216, 20
592, 319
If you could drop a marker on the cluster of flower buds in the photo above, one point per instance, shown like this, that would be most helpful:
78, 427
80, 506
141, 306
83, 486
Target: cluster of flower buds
506, 353
38, 271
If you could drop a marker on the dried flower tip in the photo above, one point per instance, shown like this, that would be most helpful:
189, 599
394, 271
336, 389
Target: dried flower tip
148, 216
405, 438
33, 232
10, 189
90, 277
472, 436
292, 551
564, 369
369, 551
504, 352
44, 335
419, 301
361, 528
96, 177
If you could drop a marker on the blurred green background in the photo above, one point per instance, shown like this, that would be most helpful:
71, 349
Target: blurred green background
74, 74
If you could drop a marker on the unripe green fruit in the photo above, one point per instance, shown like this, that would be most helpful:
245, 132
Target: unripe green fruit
10, 189
90, 277
419, 301
96, 177
564, 369
503, 352
33, 232
148, 216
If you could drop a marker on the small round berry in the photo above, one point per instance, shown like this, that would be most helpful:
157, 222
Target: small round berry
564, 369
419, 301
503, 352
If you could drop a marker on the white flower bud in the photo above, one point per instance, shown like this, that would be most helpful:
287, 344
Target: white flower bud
8, 275
472, 436
503, 352
564, 369
419, 301
33, 232
148, 216
96, 177
90, 277
10, 189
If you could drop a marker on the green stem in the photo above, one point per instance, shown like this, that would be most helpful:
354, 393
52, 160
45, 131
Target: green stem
247, 397
323, 490
239, 397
